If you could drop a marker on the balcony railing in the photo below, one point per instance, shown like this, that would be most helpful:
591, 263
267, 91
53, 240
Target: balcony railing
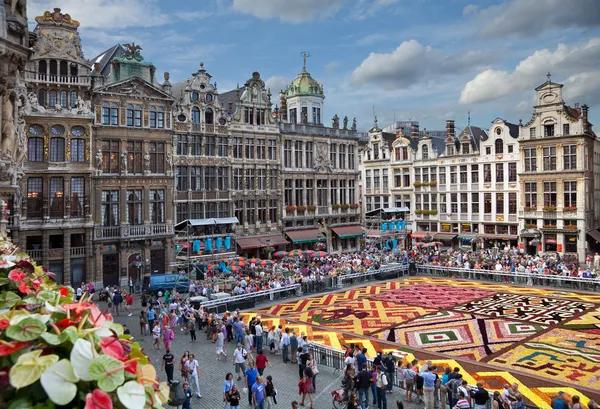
196, 127
136, 231
35, 254
31, 76
77, 251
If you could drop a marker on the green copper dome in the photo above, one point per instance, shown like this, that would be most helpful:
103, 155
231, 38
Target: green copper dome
304, 85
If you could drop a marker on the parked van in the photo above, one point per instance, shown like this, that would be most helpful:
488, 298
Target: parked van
163, 282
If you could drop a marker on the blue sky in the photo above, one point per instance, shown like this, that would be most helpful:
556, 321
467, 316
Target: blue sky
428, 60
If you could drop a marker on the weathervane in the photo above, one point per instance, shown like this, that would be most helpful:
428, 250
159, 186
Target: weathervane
305, 55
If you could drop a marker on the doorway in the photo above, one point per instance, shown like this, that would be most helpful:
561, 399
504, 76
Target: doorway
110, 269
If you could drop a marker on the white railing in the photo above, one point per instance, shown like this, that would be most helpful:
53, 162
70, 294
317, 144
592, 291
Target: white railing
249, 296
57, 79
77, 251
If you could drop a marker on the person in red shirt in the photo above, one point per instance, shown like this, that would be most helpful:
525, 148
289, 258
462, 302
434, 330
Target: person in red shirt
261, 362
128, 304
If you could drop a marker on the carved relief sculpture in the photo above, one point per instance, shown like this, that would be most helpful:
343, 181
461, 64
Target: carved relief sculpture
124, 162
99, 161
146, 162
34, 103
169, 162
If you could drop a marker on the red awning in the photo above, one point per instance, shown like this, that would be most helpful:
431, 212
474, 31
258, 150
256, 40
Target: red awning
274, 240
305, 236
421, 234
249, 243
445, 236
348, 232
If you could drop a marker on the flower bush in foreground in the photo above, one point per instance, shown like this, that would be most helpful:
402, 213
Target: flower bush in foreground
55, 351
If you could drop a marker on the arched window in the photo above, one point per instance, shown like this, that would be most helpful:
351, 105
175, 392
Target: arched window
64, 68
63, 99
42, 67
73, 99
53, 67
52, 100
195, 115
42, 97
209, 116
499, 146
57, 149
74, 69
35, 149
425, 152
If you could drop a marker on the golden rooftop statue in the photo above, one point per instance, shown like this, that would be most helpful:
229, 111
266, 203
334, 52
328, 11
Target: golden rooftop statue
57, 17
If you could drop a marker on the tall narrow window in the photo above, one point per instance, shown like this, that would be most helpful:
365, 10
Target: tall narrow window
499, 172
512, 172
425, 152
499, 203
195, 115
53, 98
157, 206
570, 194
110, 156
223, 146
57, 197
223, 178
530, 158
34, 198
182, 144
109, 211
512, 203
570, 157
238, 148
249, 148
531, 195
157, 157
287, 154
57, 149
260, 149
110, 113
308, 154
272, 149
549, 158
42, 97
64, 100
157, 117
298, 154
35, 149
73, 99
210, 143
499, 146
77, 199
134, 157
134, 207
209, 116
77, 150
550, 194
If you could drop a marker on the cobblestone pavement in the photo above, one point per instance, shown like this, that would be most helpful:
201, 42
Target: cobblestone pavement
212, 372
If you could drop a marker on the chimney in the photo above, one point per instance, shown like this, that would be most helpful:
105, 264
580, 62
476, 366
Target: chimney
584, 115
450, 128
414, 131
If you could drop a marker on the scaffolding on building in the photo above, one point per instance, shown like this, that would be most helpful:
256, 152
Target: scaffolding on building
384, 224
188, 262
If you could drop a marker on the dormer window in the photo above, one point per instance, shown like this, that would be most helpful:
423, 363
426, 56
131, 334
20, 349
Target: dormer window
209, 116
465, 148
194, 96
548, 130
499, 146
209, 97
532, 132
425, 152
450, 149
375, 151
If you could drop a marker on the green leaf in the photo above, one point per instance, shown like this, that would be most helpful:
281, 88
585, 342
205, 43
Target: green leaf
59, 382
29, 367
108, 371
53, 339
132, 395
4, 281
71, 333
26, 330
21, 403
8, 299
32, 300
49, 296
136, 352
118, 328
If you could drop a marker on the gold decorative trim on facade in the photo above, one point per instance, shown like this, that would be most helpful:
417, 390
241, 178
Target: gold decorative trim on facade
57, 18
46, 147
68, 147
500, 218
86, 150
499, 157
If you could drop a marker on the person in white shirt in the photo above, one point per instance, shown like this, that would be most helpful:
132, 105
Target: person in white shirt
259, 336
239, 360
194, 373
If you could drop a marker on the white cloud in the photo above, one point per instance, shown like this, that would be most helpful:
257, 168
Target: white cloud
565, 60
105, 14
371, 39
470, 9
193, 15
412, 63
533, 17
297, 11
277, 83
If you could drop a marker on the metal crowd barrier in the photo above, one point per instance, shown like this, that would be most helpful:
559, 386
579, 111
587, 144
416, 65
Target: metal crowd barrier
249, 300
578, 283
383, 272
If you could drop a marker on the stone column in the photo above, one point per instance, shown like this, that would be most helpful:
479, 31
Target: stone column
45, 247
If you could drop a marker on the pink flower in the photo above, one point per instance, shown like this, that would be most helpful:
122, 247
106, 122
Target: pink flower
24, 288
16, 275
98, 399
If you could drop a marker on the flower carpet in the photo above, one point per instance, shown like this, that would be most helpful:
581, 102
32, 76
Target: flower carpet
465, 335
552, 335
